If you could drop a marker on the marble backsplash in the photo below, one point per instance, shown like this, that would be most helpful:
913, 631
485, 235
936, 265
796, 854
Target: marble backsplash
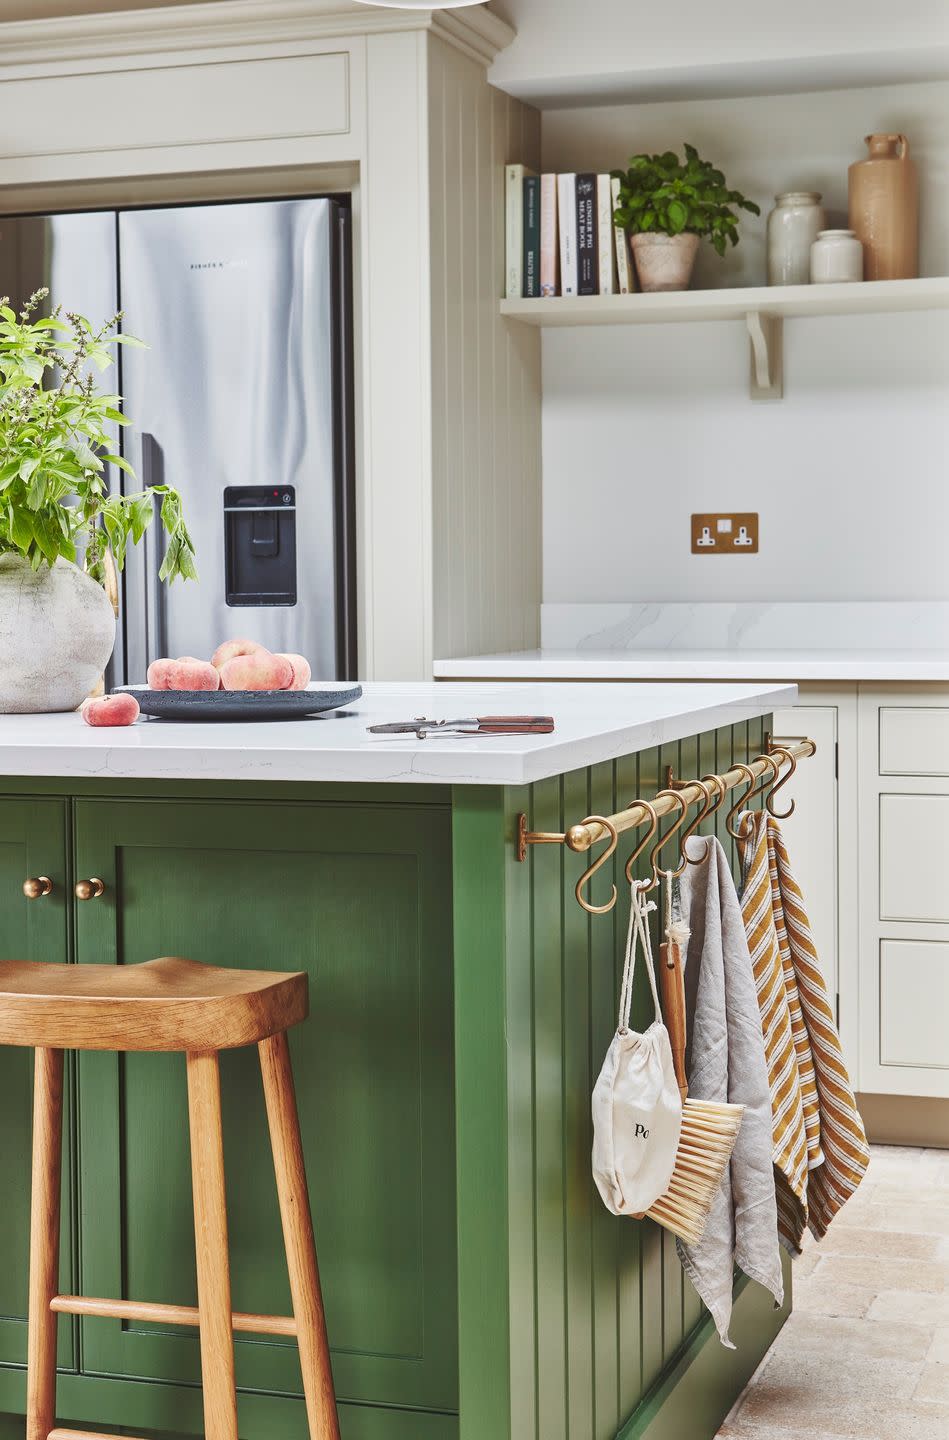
858, 625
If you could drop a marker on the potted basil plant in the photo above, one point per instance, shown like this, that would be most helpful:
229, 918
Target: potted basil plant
60, 527
667, 206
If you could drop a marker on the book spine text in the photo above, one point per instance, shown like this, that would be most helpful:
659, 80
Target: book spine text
549, 238
586, 235
567, 205
531, 237
624, 267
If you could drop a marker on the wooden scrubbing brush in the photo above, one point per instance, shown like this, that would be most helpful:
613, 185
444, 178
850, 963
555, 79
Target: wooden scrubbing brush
709, 1129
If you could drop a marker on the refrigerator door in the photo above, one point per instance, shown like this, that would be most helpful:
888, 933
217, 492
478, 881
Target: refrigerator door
74, 256
233, 404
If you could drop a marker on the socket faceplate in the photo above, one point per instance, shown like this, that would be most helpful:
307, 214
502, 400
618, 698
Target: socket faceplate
725, 533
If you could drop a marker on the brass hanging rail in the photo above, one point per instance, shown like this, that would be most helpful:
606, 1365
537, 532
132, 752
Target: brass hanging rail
678, 795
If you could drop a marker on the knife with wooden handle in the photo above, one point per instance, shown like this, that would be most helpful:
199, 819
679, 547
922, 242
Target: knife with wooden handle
474, 725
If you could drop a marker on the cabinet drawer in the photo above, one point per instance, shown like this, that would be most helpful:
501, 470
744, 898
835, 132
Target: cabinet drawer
914, 740
914, 1003
914, 857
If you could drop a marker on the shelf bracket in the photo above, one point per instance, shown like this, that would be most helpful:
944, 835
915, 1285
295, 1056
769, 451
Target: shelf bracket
766, 333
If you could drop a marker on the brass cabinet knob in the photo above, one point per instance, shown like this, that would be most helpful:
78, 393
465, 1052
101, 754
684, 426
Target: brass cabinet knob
89, 889
37, 886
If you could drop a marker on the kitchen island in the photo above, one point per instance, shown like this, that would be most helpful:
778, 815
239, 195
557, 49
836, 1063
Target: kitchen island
461, 1004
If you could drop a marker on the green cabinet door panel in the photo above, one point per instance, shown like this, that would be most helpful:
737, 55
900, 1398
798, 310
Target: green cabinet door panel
360, 898
32, 842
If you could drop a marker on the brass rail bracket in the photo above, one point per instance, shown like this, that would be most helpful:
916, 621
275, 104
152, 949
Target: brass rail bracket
577, 838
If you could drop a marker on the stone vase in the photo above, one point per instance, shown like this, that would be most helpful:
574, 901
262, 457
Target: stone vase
883, 193
57, 630
664, 262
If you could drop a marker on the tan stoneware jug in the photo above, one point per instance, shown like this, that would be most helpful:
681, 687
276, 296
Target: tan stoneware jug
884, 209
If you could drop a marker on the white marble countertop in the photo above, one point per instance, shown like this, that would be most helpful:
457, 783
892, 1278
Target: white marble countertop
777, 665
593, 724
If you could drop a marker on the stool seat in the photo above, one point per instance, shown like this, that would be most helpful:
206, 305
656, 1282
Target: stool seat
167, 1004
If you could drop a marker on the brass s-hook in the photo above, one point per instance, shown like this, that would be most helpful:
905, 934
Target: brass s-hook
653, 827
721, 790
752, 780
792, 766
690, 829
775, 766
598, 863
663, 840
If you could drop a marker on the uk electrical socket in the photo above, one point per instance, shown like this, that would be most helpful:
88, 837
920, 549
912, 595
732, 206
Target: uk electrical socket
725, 533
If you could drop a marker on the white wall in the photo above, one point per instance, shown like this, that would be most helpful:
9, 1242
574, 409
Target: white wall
641, 426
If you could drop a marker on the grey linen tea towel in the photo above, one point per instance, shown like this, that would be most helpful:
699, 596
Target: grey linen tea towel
725, 1061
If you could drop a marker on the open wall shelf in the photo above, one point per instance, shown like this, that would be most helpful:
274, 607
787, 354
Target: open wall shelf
763, 308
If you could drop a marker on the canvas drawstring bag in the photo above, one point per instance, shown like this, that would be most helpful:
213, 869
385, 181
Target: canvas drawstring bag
637, 1109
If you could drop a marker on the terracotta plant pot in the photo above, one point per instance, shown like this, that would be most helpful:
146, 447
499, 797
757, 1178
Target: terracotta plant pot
664, 262
57, 630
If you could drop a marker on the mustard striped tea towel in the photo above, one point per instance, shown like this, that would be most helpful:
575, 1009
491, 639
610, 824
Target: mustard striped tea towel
820, 1149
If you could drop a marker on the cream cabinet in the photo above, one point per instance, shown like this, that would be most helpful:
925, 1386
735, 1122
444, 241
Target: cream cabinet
903, 759
821, 839
869, 844
812, 831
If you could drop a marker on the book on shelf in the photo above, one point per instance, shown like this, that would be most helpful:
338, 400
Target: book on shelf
606, 250
624, 264
549, 236
586, 235
560, 237
514, 230
567, 214
531, 236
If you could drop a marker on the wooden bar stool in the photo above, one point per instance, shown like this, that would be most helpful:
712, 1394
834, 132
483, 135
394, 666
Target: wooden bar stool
170, 1004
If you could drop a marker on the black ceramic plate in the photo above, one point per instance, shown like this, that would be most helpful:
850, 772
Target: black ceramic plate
240, 704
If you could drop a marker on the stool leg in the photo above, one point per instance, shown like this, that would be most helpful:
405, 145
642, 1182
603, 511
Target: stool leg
298, 1238
44, 1243
210, 1238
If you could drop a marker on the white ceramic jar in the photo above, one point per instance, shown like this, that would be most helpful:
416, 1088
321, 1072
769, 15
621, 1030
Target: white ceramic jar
836, 255
793, 225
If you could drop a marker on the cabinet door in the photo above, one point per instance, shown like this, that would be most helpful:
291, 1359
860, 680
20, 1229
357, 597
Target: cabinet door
904, 912
360, 899
811, 832
32, 842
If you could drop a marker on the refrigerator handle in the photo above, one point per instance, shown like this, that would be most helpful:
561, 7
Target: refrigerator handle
153, 473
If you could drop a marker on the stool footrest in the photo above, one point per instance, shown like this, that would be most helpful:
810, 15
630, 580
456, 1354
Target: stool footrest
153, 1314
83, 1435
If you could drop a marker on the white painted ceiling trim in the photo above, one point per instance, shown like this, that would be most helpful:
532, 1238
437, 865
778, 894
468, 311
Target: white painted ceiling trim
59, 40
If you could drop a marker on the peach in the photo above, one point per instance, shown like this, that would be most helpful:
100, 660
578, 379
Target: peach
185, 673
232, 648
301, 671
110, 710
257, 671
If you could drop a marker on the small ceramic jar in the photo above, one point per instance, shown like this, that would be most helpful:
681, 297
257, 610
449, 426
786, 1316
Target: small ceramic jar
836, 255
793, 225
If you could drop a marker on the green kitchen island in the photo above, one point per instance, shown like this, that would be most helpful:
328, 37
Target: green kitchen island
461, 1005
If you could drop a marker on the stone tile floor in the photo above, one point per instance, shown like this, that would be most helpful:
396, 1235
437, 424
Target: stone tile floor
866, 1350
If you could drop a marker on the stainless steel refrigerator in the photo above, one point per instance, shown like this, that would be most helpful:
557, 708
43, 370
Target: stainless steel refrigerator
242, 401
